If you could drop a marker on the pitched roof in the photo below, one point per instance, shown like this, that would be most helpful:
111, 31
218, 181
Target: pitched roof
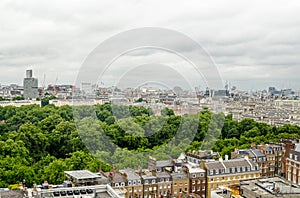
233, 163
176, 176
131, 175
163, 163
162, 175
214, 165
236, 163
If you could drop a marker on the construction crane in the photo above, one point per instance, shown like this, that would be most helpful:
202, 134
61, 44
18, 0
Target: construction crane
43, 86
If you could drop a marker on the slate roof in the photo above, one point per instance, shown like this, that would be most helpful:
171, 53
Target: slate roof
176, 176
162, 175
164, 163
117, 177
214, 165
233, 163
258, 153
148, 177
236, 163
131, 175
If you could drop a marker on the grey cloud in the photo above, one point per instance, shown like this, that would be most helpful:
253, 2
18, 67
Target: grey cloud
243, 38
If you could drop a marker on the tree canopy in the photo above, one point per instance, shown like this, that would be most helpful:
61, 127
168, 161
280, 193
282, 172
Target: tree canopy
39, 143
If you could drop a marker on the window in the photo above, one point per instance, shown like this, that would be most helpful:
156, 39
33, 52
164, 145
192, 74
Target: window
167, 179
194, 175
193, 182
153, 181
116, 184
146, 182
123, 184
139, 182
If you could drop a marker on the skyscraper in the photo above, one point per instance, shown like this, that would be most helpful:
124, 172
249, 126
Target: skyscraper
30, 86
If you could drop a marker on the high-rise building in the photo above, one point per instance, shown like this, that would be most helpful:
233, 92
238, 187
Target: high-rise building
30, 86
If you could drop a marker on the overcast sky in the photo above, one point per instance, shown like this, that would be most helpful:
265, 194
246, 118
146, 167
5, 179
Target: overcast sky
254, 44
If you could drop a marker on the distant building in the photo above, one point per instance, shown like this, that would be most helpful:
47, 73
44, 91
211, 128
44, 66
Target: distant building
30, 85
18, 103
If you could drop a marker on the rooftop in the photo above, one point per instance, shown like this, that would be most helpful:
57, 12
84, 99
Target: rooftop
82, 174
163, 163
130, 174
269, 187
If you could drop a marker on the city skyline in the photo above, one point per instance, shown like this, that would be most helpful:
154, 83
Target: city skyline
253, 46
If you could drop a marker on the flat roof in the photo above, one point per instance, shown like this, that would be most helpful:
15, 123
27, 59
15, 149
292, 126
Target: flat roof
82, 174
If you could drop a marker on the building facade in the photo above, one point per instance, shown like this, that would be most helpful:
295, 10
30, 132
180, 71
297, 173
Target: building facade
197, 180
228, 173
293, 167
30, 86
